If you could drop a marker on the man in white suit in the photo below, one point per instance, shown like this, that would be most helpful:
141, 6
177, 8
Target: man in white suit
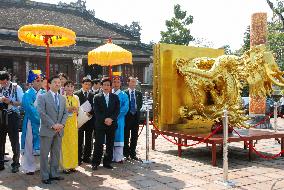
53, 113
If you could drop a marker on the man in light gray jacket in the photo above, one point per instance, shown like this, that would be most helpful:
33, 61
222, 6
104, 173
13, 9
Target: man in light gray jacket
53, 114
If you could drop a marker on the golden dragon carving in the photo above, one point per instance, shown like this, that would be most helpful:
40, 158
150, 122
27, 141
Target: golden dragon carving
215, 84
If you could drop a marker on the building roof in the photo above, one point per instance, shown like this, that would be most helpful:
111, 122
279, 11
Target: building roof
15, 14
91, 32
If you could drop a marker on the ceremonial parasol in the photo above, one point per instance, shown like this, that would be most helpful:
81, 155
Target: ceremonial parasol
109, 55
48, 36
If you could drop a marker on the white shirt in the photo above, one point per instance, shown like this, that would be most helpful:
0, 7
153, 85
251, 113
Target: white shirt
53, 94
106, 98
85, 91
282, 101
130, 91
116, 92
20, 93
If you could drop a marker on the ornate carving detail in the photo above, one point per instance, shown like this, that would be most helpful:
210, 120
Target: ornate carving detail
216, 84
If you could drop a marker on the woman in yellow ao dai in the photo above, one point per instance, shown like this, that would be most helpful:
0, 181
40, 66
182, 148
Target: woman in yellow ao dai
69, 156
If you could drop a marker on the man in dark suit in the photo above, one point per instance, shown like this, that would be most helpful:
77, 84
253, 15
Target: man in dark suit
106, 109
96, 86
85, 94
132, 119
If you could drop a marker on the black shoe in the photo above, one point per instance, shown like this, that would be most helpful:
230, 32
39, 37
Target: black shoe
66, 171
57, 178
30, 173
135, 158
73, 170
46, 181
2, 168
108, 167
127, 158
15, 169
87, 160
95, 167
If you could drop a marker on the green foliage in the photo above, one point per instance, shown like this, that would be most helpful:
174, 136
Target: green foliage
246, 40
227, 50
276, 44
178, 31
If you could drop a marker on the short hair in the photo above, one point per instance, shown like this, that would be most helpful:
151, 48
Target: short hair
4, 75
68, 82
106, 79
63, 75
96, 81
52, 78
130, 78
86, 79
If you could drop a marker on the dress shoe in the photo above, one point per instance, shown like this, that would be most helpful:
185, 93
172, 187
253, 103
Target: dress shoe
108, 166
57, 178
2, 168
135, 158
46, 181
66, 171
95, 167
15, 169
118, 162
73, 170
87, 160
30, 173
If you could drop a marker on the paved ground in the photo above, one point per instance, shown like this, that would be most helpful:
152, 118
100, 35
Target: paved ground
192, 171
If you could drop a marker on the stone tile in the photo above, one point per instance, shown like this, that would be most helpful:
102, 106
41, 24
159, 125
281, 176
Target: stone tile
260, 178
148, 183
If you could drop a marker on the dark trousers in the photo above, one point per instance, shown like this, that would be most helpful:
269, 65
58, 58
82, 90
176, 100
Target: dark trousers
87, 145
104, 136
10, 126
282, 110
131, 126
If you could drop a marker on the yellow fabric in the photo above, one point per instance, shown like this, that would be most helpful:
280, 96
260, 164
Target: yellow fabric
58, 36
109, 55
69, 156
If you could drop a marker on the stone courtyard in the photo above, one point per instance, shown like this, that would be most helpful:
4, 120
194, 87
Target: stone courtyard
192, 171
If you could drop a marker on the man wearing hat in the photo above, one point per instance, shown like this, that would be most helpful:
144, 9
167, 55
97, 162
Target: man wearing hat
30, 141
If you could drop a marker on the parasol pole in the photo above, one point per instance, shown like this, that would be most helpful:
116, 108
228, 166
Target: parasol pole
110, 72
47, 58
110, 67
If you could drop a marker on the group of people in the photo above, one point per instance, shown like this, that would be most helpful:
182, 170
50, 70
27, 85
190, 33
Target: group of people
50, 130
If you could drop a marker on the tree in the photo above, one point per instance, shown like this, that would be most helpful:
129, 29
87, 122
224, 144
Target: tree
276, 31
276, 43
135, 28
246, 40
178, 31
227, 50
278, 11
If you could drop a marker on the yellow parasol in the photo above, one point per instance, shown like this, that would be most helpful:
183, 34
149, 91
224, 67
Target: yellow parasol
109, 55
48, 36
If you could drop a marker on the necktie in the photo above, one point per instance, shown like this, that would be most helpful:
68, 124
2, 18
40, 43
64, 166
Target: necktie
107, 99
62, 91
132, 103
56, 101
86, 95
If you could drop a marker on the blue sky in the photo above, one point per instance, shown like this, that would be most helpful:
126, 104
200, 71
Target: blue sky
219, 22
